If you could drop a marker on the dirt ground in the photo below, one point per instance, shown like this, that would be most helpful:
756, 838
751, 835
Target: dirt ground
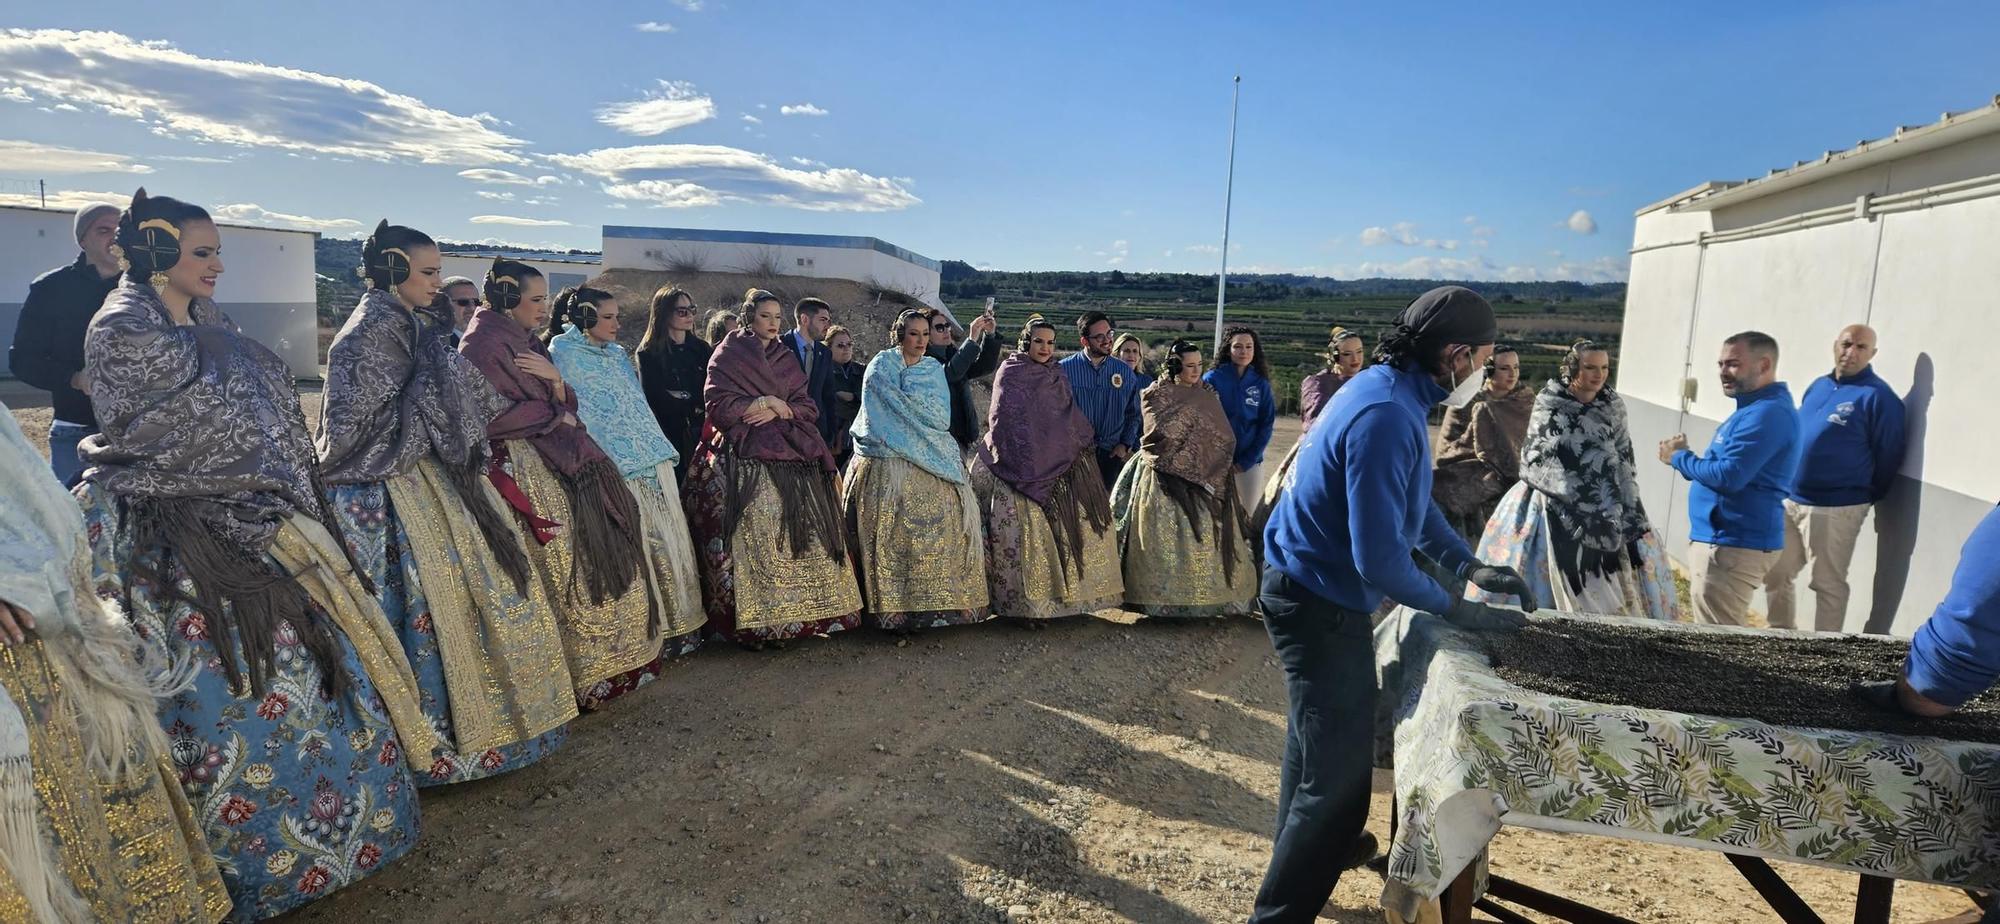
1098, 771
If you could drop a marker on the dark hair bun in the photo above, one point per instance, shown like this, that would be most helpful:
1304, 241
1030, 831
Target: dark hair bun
149, 232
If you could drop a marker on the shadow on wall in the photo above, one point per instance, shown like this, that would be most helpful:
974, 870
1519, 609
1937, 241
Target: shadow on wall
1899, 514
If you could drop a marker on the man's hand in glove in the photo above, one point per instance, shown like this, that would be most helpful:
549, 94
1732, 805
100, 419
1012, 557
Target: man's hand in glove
1503, 580
1878, 693
1478, 617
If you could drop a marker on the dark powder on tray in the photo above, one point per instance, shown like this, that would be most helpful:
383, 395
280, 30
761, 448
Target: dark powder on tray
1800, 681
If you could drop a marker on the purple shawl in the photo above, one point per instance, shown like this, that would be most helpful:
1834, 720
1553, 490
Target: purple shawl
1034, 430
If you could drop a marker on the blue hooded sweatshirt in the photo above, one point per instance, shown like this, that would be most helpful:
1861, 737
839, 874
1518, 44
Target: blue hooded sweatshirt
1955, 655
1252, 408
1851, 440
1738, 495
1359, 499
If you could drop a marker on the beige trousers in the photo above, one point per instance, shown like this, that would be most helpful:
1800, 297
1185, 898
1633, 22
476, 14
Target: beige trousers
1250, 485
1823, 537
1724, 579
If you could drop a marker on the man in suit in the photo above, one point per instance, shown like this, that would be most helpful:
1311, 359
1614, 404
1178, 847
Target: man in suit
813, 317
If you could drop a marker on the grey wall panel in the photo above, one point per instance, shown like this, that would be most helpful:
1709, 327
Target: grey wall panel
290, 329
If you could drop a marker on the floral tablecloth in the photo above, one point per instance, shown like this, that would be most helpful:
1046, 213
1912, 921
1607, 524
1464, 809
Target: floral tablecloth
1472, 752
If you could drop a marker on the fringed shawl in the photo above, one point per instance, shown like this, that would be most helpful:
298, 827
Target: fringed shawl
743, 369
906, 414
1038, 441
396, 391
605, 518
1580, 456
1188, 437
1478, 454
611, 403
203, 444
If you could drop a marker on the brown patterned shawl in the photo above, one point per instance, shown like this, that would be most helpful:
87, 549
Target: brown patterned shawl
1478, 454
605, 527
203, 444
1038, 441
1193, 449
741, 370
395, 392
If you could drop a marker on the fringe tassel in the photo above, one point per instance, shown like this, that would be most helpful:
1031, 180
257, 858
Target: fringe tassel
1220, 510
116, 678
500, 537
28, 858
241, 594
605, 547
809, 510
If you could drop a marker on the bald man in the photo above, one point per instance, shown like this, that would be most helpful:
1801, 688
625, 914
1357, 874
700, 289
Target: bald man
1850, 447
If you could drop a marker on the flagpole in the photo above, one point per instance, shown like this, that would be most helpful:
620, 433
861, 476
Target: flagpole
1228, 194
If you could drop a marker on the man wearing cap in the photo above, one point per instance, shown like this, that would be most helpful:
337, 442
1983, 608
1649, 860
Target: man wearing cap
48, 339
1355, 505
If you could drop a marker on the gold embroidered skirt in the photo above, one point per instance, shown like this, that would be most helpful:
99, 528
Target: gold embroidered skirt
672, 577
923, 559
1025, 574
128, 847
603, 640
1168, 571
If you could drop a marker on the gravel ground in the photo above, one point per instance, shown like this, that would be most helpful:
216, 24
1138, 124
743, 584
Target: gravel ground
1099, 771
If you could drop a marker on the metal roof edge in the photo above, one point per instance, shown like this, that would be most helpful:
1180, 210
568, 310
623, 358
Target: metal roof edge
1710, 187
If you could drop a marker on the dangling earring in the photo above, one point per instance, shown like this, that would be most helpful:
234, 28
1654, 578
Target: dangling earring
118, 256
159, 282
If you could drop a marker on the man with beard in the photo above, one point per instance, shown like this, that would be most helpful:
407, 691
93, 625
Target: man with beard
1736, 501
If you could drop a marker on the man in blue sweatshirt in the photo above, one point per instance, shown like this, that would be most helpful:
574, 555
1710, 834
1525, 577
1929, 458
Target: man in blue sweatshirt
1955, 654
1106, 391
1736, 508
1354, 506
1850, 447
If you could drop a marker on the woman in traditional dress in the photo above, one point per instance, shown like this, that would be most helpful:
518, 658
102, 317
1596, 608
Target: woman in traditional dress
1574, 526
210, 525
673, 366
1132, 350
1478, 453
1183, 535
762, 495
847, 376
1050, 548
1345, 357
612, 405
93, 824
552, 471
402, 442
909, 501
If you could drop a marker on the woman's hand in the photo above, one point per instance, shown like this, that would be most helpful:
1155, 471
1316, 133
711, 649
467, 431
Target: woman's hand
538, 367
15, 624
760, 413
569, 420
784, 408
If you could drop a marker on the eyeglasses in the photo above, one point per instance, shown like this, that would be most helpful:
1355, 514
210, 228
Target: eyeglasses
684, 310
1101, 338
465, 302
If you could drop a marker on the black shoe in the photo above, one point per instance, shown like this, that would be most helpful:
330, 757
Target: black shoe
1363, 852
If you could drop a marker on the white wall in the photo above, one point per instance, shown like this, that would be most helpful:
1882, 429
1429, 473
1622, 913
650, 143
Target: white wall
559, 274
266, 286
852, 263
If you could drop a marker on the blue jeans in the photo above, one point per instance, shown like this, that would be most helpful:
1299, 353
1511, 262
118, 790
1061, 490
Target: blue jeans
1324, 785
63, 438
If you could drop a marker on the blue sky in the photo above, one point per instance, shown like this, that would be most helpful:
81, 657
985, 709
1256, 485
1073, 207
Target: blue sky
1475, 140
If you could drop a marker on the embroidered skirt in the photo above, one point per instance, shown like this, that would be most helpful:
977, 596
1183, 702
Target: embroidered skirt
917, 536
1169, 572
1518, 536
1024, 574
755, 590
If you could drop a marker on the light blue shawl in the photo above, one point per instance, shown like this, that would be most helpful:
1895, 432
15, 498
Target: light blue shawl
610, 402
906, 414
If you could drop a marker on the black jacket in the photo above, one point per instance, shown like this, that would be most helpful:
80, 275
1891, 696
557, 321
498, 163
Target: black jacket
48, 340
819, 381
673, 378
962, 363
846, 379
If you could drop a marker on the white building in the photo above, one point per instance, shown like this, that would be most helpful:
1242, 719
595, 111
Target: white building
561, 269
860, 259
266, 286
1900, 233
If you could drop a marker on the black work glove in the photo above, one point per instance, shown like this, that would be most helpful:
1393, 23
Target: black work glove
1479, 617
1878, 693
1501, 579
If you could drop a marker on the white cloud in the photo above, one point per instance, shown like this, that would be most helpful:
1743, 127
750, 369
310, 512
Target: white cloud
515, 220
1202, 248
16, 94
254, 214
1581, 222
692, 6
30, 157
496, 196
68, 200
689, 175
1404, 233
195, 159
242, 102
676, 104
1481, 269
651, 26
753, 120
506, 177
809, 162
804, 109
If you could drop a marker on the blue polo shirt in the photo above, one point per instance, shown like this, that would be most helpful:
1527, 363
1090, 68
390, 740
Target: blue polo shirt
1850, 439
1737, 498
1359, 499
1252, 408
1955, 654
1108, 396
